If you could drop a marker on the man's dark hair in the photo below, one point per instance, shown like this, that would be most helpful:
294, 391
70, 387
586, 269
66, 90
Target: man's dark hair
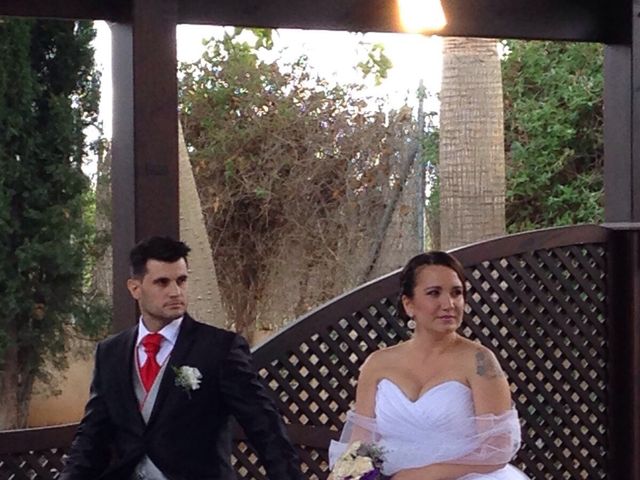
164, 249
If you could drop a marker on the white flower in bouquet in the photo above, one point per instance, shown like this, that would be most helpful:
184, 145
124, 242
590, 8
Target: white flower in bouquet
361, 461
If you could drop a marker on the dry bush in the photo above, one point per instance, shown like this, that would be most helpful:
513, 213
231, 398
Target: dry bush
284, 163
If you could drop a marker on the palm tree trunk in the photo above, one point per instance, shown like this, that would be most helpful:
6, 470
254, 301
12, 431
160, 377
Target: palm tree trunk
472, 165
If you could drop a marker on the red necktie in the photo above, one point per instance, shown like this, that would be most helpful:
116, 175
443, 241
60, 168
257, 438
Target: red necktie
149, 371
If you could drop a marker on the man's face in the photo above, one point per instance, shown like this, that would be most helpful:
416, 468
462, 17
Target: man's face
162, 291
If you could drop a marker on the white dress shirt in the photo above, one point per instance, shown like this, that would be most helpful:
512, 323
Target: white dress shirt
169, 333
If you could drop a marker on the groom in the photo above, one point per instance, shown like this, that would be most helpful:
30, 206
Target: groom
163, 392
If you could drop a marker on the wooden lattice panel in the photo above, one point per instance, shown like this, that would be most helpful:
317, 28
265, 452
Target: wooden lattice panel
39, 465
34, 453
543, 314
313, 462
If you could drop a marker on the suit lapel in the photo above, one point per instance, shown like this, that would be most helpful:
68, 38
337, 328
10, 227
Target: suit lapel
129, 400
178, 358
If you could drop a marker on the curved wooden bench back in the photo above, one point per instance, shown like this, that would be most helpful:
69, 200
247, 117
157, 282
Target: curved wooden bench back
35, 453
537, 299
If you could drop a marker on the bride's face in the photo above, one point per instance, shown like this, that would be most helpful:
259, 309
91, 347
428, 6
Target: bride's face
438, 300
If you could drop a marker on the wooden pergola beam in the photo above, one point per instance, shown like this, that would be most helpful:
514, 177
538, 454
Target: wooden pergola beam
585, 20
575, 20
113, 11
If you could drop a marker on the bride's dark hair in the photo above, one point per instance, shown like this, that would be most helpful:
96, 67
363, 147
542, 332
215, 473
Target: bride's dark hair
409, 274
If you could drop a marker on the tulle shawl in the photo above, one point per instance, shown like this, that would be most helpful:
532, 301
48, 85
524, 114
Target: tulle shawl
475, 440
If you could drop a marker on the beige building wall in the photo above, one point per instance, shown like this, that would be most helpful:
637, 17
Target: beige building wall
68, 407
204, 296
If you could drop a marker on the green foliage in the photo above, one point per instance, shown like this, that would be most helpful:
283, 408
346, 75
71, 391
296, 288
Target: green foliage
48, 96
430, 157
553, 133
263, 36
376, 64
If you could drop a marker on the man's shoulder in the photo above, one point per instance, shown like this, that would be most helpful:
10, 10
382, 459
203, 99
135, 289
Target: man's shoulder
118, 337
209, 330
212, 338
117, 342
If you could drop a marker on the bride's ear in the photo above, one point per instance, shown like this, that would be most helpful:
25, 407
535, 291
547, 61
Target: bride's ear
407, 305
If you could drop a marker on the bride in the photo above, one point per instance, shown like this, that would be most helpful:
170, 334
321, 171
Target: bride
438, 404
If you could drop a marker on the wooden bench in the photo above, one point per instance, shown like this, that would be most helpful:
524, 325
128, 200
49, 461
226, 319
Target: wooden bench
537, 299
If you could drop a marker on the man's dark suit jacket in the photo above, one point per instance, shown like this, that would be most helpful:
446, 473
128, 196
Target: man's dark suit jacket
188, 436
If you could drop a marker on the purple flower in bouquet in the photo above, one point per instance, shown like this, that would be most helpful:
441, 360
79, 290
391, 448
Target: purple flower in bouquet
361, 461
372, 475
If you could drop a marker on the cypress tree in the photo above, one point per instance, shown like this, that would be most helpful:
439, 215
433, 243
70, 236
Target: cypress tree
48, 96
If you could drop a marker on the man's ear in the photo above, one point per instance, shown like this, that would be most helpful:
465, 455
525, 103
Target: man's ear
133, 284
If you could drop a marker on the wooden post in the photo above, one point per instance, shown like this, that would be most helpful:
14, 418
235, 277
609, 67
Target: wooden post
623, 389
145, 137
622, 211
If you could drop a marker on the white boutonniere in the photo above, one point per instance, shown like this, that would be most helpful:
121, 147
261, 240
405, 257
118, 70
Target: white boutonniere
187, 378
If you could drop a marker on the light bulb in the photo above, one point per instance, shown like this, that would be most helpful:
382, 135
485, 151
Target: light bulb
421, 16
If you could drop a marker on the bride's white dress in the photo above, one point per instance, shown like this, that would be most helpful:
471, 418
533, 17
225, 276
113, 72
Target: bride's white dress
439, 427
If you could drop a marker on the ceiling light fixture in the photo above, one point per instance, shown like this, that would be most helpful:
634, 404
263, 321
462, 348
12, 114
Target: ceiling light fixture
421, 16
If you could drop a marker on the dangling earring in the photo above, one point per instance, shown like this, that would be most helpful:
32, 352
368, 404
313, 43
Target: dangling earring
411, 324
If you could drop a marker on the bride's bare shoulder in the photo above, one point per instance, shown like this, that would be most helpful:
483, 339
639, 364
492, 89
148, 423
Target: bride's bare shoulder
382, 359
388, 353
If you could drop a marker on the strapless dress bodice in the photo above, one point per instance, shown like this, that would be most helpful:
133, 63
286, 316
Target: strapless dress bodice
436, 427
431, 414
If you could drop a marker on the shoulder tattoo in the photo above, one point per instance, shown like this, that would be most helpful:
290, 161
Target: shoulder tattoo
487, 366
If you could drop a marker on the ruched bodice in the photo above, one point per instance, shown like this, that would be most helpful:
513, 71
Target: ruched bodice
437, 427
428, 417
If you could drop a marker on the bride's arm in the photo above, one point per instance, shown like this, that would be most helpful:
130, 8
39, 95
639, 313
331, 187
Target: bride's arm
488, 382
360, 424
367, 384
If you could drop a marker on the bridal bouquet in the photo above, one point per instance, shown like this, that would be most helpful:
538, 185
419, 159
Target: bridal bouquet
361, 461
